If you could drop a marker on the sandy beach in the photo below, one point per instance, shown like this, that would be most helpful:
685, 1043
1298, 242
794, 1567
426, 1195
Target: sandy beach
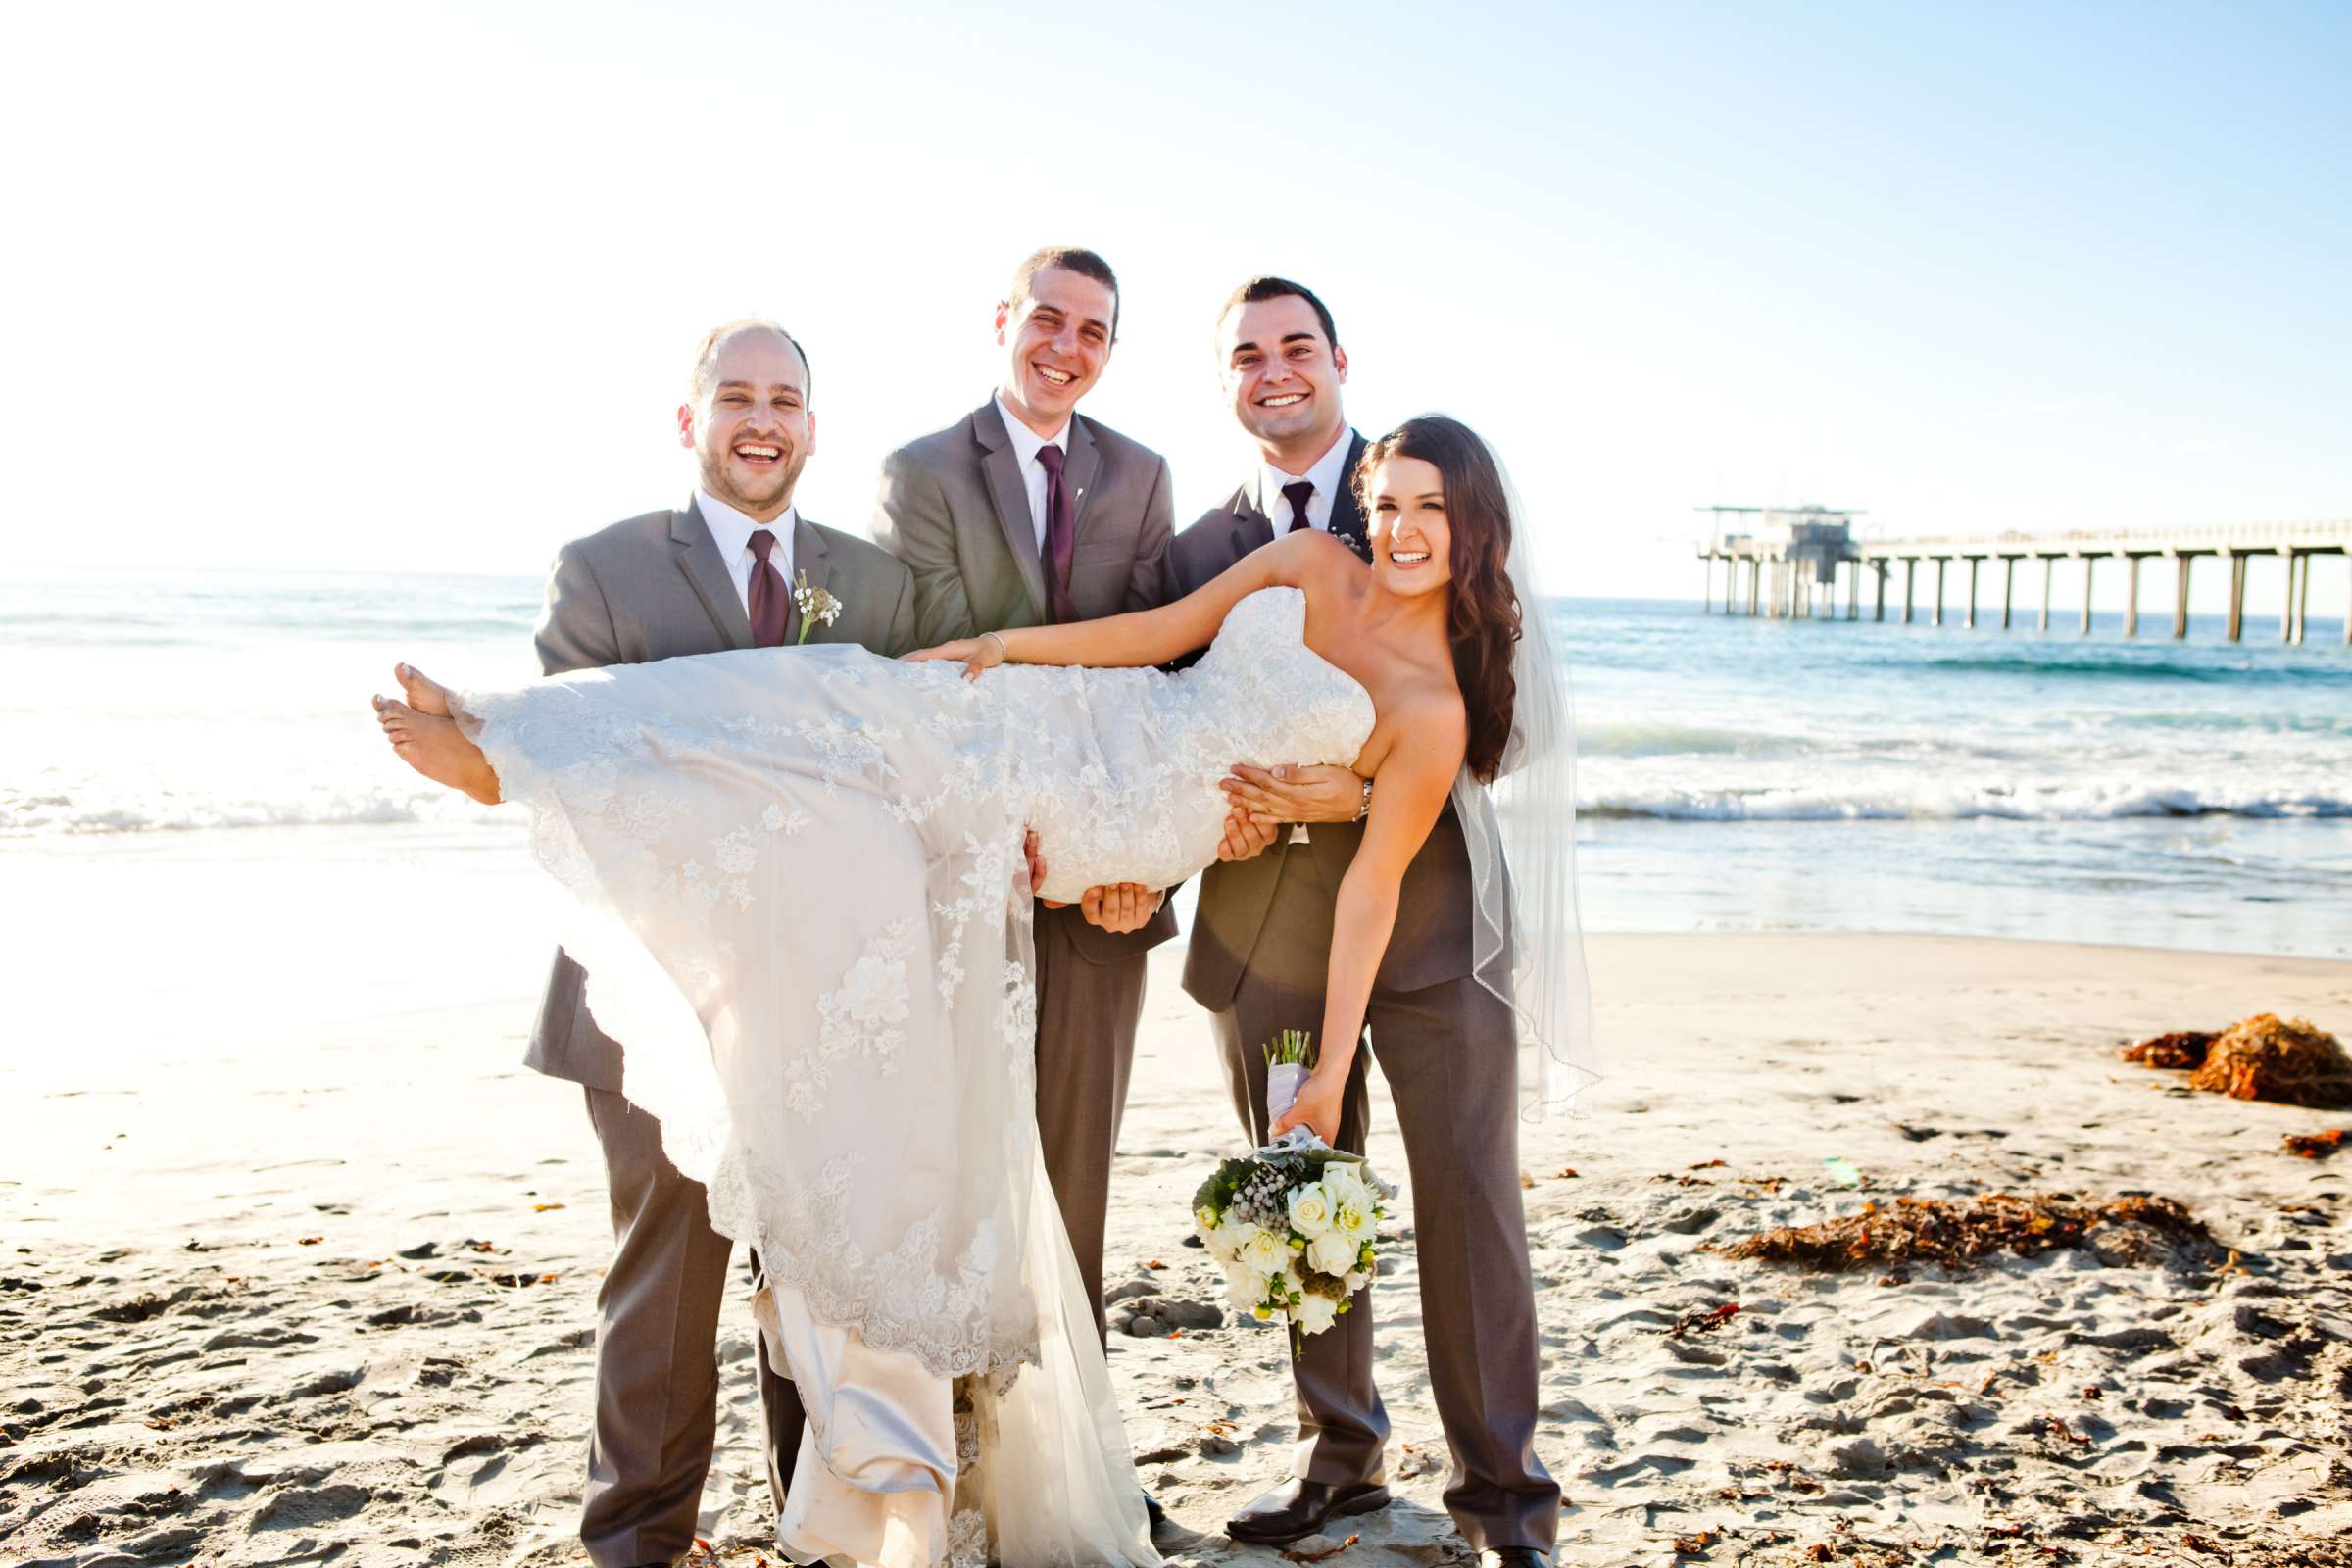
325, 1292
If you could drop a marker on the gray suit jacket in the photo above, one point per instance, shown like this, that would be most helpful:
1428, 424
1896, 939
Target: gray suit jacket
1432, 938
955, 508
654, 587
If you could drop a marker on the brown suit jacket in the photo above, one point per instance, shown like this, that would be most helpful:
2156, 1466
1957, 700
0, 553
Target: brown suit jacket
1432, 938
953, 508
656, 587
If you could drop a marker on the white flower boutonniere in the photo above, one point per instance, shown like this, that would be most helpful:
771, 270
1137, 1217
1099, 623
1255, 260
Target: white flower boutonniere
817, 606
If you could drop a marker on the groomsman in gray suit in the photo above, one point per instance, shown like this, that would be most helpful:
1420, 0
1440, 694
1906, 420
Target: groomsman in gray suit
716, 574
1259, 951
1026, 513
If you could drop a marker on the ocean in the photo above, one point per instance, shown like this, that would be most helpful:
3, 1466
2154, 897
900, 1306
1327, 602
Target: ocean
199, 821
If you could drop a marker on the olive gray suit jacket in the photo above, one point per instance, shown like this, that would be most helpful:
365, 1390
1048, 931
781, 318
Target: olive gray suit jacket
656, 587
1432, 938
954, 509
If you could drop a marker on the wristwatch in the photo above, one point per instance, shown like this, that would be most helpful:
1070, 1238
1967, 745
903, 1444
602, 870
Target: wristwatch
1366, 809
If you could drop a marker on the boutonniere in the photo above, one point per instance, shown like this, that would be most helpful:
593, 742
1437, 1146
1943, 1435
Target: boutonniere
817, 606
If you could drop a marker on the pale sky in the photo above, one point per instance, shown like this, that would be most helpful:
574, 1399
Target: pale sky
413, 288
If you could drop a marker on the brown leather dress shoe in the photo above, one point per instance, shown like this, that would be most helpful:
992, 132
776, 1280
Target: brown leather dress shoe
1296, 1510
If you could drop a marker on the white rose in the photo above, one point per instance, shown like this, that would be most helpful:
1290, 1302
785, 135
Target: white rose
1310, 1211
1246, 1291
1352, 1220
1260, 1250
1331, 1253
1346, 1185
1314, 1315
1204, 1219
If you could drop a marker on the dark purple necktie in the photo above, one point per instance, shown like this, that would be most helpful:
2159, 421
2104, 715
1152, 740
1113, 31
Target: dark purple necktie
1296, 493
771, 600
1061, 537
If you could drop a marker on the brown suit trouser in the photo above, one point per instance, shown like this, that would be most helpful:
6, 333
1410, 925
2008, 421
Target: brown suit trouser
657, 1366
1087, 1013
1449, 1055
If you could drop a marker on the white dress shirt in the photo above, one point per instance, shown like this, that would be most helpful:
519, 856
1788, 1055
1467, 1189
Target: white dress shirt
1324, 476
732, 532
1026, 444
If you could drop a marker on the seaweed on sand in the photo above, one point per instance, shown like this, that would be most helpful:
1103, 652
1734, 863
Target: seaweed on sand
2262, 1057
1931, 1229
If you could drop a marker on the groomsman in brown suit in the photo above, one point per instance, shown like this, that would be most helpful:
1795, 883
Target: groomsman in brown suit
1027, 512
716, 574
1259, 951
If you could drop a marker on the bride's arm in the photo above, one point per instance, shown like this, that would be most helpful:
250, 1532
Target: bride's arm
1145, 637
1409, 790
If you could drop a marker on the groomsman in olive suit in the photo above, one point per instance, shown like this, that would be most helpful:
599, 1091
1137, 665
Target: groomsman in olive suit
717, 573
1257, 961
1027, 512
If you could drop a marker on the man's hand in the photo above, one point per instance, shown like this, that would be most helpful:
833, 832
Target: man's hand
1119, 907
1294, 793
1247, 834
1037, 862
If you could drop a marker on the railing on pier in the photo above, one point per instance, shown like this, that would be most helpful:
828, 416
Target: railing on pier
1799, 578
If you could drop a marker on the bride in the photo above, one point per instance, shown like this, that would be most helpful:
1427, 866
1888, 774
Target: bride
801, 897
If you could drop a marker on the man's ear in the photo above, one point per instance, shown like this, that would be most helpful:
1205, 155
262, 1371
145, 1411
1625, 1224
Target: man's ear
1004, 317
686, 426
1339, 362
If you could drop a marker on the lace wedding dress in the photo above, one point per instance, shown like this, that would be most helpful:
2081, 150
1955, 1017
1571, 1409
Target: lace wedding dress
803, 905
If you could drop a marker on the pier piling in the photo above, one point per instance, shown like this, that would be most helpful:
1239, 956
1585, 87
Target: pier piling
2132, 596
2237, 594
2008, 587
2180, 594
2049, 570
2090, 565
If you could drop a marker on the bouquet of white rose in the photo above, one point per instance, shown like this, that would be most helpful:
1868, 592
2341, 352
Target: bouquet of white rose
1292, 1225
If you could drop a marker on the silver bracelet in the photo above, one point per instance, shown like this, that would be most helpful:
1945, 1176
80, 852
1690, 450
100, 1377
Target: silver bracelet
1366, 809
1003, 653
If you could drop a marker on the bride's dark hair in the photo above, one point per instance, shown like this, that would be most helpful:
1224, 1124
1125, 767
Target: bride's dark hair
1484, 621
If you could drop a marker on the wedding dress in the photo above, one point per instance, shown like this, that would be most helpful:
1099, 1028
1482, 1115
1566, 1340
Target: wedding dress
803, 905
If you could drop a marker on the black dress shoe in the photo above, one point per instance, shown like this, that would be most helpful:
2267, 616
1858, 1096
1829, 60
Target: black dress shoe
1153, 1514
1296, 1510
1513, 1557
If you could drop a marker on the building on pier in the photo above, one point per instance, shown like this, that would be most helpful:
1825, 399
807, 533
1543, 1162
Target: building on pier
1791, 555
1794, 558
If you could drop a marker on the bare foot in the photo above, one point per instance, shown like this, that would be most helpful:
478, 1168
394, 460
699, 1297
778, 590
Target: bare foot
425, 695
434, 746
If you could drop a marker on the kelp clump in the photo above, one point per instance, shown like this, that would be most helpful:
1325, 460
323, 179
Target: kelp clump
1963, 1234
2262, 1057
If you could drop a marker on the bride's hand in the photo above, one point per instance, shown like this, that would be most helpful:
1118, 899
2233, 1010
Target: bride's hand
974, 653
1318, 1108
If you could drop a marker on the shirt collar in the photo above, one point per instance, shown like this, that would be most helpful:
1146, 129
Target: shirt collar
731, 530
1323, 475
1027, 442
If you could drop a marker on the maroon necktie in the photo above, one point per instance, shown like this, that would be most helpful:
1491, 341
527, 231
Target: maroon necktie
771, 600
1061, 537
1295, 493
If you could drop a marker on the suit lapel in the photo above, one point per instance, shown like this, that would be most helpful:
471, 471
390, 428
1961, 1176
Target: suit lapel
1078, 474
810, 561
1250, 527
1347, 515
1010, 494
699, 558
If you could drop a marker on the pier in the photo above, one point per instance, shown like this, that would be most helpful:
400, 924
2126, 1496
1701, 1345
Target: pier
1794, 560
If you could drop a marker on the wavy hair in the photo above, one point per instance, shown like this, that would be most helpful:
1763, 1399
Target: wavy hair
1484, 616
